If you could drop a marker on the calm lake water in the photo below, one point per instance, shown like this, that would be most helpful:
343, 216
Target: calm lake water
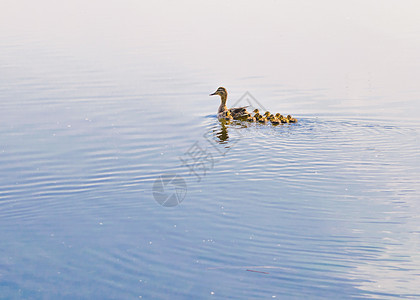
98, 100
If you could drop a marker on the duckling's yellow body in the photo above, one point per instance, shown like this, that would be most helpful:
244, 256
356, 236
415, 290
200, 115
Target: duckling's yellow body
262, 120
275, 121
251, 119
225, 115
267, 114
256, 114
290, 119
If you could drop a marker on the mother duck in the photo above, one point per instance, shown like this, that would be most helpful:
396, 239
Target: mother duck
236, 112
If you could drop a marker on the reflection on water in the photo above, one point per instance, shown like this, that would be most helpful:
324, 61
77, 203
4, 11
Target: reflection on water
222, 134
96, 103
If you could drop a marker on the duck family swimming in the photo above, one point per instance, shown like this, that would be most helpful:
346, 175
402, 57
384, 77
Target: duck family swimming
240, 113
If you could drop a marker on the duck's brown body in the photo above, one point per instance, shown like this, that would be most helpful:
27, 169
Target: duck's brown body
237, 113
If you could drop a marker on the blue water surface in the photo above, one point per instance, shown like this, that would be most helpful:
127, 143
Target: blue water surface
103, 104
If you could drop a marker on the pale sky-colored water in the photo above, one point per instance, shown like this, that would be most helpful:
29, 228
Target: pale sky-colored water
98, 97
358, 52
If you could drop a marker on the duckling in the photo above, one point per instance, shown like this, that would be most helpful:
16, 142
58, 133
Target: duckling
251, 119
225, 115
274, 120
284, 120
256, 113
236, 112
262, 120
228, 116
278, 116
291, 120
268, 114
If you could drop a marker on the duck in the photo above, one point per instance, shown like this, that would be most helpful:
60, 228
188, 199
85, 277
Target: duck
237, 113
262, 120
290, 119
267, 114
257, 113
251, 119
226, 115
274, 120
281, 118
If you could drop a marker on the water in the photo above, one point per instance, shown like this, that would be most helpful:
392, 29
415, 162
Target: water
100, 99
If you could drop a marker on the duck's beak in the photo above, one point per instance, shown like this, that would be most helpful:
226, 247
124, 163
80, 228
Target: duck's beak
215, 93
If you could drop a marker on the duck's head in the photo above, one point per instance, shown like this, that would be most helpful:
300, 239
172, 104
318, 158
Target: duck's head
221, 91
267, 113
256, 111
278, 115
289, 117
